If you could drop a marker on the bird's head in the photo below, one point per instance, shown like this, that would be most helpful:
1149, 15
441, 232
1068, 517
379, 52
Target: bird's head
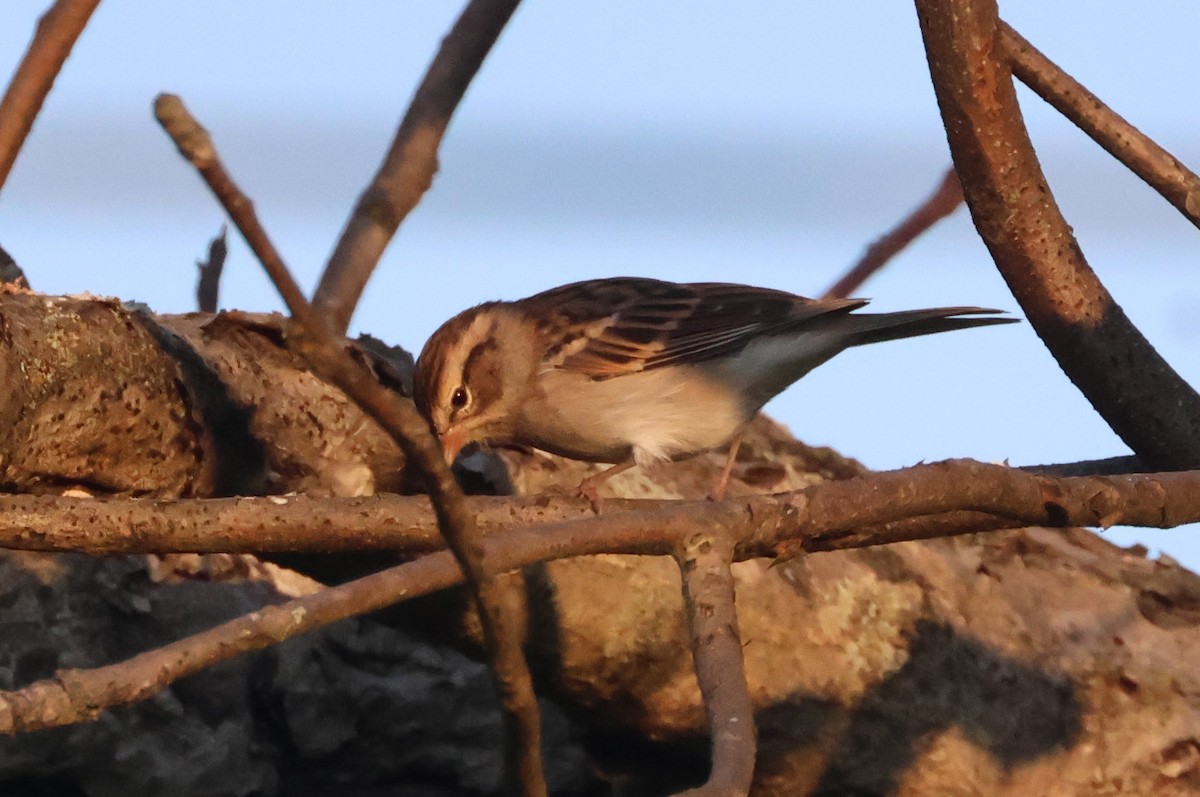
472, 375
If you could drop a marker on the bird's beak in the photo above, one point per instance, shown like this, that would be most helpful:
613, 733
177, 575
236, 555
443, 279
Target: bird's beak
453, 441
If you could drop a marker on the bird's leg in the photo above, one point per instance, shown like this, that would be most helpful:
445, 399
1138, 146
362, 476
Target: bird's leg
717, 492
589, 487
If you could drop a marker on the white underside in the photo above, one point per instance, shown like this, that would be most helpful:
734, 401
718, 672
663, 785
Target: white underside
654, 415
669, 412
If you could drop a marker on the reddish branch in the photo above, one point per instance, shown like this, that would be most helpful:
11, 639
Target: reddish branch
835, 515
1159, 168
56, 34
411, 162
1153, 410
890, 507
704, 560
873, 509
944, 200
311, 337
405, 524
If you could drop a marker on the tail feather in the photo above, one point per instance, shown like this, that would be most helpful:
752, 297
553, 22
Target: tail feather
877, 327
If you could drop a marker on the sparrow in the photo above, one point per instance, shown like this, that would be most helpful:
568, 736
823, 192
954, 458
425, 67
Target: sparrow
630, 371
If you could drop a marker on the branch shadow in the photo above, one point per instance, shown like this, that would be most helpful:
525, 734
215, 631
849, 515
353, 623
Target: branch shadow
1011, 710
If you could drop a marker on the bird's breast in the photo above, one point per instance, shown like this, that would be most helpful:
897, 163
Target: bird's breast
663, 413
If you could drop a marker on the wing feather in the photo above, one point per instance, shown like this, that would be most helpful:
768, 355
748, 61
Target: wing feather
610, 327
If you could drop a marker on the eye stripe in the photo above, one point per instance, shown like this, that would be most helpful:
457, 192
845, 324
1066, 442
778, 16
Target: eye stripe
476, 353
481, 376
438, 362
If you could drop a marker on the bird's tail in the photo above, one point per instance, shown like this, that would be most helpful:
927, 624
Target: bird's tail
877, 327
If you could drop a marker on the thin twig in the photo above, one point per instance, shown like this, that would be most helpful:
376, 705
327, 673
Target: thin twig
944, 200
704, 561
1158, 168
57, 31
208, 287
832, 516
311, 338
1150, 407
411, 162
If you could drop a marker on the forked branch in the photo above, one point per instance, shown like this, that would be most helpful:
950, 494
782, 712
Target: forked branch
1150, 407
836, 515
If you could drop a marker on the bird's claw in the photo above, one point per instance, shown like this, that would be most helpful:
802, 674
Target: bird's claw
589, 488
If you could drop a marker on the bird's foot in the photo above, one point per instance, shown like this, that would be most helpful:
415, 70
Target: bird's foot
719, 486
589, 488
721, 483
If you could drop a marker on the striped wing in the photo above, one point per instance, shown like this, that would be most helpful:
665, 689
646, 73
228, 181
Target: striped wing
610, 327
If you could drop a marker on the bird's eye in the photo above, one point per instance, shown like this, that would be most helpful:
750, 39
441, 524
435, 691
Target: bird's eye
459, 398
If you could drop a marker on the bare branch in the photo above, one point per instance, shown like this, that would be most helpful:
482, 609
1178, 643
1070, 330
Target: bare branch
411, 162
208, 287
1178, 185
196, 146
944, 200
840, 514
831, 516
311, 338
1154, 411
405, 524
704, 560
56, 34
821, 517
80, 695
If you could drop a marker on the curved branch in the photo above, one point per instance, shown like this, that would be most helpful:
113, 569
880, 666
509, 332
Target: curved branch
1137, 393
57, 32
408, 169
1158, 168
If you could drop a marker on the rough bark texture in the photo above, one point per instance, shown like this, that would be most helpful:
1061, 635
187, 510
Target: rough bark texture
86, 385
360, 710
105, 396
1027, 662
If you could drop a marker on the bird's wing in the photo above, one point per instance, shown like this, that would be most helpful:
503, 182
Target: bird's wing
605, 328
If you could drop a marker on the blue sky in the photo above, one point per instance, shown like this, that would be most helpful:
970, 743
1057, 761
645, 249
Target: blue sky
761, 142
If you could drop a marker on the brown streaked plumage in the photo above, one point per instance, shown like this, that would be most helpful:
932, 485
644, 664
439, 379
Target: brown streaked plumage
628, 369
